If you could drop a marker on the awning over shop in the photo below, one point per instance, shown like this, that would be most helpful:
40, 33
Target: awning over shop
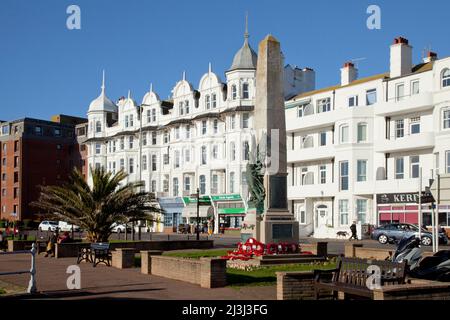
190, 211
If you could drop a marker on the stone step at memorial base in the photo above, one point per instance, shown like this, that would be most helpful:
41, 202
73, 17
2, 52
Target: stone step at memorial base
288, 259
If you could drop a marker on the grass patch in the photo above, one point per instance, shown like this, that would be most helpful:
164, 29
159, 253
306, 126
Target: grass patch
197, 254
266, 276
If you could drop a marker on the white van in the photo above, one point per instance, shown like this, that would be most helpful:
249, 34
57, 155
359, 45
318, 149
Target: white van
64, 226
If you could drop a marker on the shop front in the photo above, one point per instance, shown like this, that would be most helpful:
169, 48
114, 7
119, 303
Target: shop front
173, 209
404, 208
229, 212
189, 213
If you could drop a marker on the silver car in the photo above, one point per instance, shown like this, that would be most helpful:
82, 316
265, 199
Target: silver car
394, 232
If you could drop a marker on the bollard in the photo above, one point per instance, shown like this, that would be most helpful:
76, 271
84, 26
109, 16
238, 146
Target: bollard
32, 284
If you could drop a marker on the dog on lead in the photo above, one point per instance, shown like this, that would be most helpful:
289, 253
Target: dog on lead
342, 234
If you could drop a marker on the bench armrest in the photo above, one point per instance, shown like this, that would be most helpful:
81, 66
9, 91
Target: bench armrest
318, 273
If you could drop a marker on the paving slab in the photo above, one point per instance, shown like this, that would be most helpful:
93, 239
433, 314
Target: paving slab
106, 282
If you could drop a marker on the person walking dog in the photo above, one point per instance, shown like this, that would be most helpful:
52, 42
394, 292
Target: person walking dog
353, 230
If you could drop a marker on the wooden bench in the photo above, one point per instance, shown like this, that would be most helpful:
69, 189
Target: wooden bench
96, 253
351, 274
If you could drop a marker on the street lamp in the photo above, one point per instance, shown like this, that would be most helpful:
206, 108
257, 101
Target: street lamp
198, 214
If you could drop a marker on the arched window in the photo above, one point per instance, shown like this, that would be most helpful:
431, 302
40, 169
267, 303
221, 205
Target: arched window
245, 93
207, 101
98, 126
446, 78
233, 92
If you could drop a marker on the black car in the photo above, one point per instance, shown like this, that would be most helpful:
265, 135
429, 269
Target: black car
396, 231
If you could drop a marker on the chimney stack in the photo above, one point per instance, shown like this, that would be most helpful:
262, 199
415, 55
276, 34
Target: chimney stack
401, 57
348, 73
431, 56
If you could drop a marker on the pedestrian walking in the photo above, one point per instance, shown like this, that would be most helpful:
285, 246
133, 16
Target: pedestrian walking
353, 230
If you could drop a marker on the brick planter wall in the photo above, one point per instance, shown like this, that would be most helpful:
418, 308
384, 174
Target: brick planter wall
146, 260
295, 285
18, 245
207, 272
357, 250
417, 290
123, 258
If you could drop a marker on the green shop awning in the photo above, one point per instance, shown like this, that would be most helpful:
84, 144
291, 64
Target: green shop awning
204, 200
226, 197
232, 211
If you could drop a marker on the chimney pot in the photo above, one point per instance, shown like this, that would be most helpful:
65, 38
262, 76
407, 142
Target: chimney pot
401, 40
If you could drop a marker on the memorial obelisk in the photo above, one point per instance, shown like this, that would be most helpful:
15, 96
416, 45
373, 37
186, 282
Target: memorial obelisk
277, 224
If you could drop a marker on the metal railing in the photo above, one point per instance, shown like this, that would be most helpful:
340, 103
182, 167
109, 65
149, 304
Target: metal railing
32, 283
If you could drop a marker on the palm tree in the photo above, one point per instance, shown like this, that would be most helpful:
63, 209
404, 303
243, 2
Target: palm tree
96, 209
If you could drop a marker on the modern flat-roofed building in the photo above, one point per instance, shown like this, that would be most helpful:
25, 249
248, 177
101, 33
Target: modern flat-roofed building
355, 149
34, 152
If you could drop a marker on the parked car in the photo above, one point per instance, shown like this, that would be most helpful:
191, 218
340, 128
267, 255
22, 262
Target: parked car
118, 228
64, 226
48, 225
396, 231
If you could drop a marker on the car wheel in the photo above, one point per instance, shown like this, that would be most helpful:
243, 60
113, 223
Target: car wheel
383, 239
426, 241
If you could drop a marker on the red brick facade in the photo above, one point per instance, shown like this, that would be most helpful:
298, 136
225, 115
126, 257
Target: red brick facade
30, 159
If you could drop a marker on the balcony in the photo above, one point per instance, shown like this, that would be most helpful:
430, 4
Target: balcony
415, 103
423, 140
310, 154
399, 185
312, 191
317, 120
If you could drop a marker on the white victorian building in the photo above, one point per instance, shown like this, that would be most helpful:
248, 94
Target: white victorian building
199, 138
355, 149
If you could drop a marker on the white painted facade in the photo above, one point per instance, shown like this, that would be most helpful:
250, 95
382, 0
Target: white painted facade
338, 158
199, 138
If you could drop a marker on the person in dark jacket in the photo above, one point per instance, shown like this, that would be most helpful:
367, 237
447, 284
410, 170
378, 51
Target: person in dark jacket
353, 230
52, 240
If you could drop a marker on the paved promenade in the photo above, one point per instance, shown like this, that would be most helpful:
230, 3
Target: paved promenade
106, 282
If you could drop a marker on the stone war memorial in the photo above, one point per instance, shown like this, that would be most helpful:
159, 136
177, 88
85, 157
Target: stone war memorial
268, 219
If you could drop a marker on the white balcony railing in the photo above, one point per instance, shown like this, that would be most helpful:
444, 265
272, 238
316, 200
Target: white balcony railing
423, 140
407, 104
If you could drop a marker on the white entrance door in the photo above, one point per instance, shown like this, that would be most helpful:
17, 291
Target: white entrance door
322, 217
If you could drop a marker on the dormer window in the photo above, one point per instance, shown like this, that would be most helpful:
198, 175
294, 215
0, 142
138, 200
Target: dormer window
446, 78
208, 101
126, 122
245, 93
180, 108
233, 92
186, 103
131, 120
149, 117
214, 100
154, 115
323, 105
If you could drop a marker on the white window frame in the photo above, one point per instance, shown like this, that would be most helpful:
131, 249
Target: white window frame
341, 133
322, 174
342, 176
414, 122
413, 83
414, 164
445, 78
366, 127
360, 175
369, 94
399, 96
399, 175
353, 101
343, 214
399, 128
446, 118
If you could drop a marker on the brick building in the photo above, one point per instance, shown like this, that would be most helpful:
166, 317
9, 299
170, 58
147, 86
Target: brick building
34, 152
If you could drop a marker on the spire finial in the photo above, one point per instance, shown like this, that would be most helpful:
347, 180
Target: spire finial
184, 75
103, 82
246, 27
129, 94
151, 86
209, 68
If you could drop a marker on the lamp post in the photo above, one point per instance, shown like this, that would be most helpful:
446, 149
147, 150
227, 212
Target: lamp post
198, 214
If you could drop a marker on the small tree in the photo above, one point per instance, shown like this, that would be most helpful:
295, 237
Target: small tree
96, 209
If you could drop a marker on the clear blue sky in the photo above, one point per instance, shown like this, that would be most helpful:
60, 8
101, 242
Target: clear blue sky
47, 69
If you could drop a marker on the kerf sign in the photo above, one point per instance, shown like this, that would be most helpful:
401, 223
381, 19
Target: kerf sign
396, 198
